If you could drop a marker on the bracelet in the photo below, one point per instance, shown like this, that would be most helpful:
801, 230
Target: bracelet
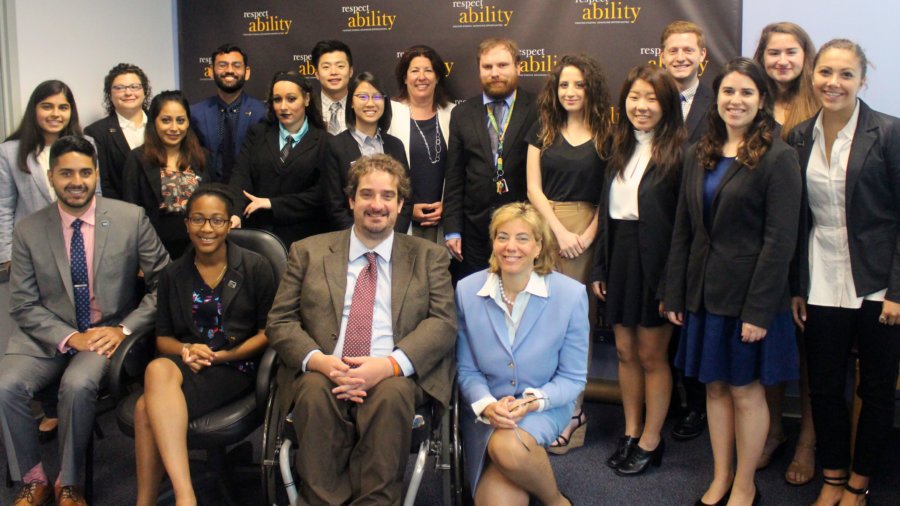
396, 366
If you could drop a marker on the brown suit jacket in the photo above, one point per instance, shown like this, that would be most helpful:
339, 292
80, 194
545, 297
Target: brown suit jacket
306, 313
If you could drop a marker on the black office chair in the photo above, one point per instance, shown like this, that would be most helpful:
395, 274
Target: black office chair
229, 424
435, 435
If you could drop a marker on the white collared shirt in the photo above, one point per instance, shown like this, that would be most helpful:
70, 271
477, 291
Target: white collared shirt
537, 286
623, 193
688, 95
830, 274
368, 145
43, 159
134, 134
326, 110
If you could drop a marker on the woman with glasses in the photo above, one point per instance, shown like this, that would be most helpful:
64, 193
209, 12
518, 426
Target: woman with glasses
367, 119
276, 176
522, 360
210, 323
162, 174
126, 95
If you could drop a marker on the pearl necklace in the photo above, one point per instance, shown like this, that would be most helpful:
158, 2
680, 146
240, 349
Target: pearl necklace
503, 294
437, 140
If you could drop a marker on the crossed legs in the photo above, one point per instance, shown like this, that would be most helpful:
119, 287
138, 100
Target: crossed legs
511, 472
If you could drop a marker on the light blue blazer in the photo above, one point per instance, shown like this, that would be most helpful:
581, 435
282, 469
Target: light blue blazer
549, 353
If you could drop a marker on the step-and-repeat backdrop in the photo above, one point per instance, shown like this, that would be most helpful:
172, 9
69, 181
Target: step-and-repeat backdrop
278, 35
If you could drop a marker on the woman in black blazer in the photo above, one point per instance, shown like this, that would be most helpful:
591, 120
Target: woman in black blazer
846, 274
735, 230
126, 95
637, 214
210, 324
368, 119
276, 176
162, 174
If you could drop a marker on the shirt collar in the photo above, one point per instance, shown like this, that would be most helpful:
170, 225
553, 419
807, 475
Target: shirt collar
125, 123
643, 138
232, 106
88, 216
846, 132
382, 249
537, 286
509, 99
362, 138
689, 93
326, 101
283, 133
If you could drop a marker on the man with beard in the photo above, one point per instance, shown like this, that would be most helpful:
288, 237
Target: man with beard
221, 121
486, 155
365, 324
74, 298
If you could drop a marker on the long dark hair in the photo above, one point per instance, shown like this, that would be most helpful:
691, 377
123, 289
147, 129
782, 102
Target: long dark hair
312, 110
758, 137
190, 153
29, 133
668, 135
437, 64
597, 104
384, 122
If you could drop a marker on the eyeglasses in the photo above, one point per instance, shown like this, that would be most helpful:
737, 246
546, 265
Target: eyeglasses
222, 65
119, 88
365, 97
215, 222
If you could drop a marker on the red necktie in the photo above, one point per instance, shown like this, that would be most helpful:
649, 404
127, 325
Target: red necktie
358, 337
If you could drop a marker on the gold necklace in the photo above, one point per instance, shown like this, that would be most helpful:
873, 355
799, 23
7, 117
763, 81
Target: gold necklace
221, 274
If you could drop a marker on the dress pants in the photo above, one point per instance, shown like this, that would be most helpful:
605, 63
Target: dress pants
353, 453
830, 334
21, 376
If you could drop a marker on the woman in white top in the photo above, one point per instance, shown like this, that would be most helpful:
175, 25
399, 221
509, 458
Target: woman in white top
421, 120
638, 212
846, 276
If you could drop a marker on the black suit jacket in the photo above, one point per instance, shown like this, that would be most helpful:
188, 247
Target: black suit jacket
112, 153
248, 289
739, 265
142, 184
470, 193
341, 153
657, 200
696, 123
872, 204
292, 187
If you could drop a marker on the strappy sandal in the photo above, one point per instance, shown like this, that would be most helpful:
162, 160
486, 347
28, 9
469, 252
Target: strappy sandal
835, 481
858, 492
802, 472
563, 444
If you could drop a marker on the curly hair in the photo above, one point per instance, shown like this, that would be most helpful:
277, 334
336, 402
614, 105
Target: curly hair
437, 64
597, 103
118, 70
757, 138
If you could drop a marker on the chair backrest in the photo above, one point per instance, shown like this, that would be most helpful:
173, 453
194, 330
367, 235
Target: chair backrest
266, 244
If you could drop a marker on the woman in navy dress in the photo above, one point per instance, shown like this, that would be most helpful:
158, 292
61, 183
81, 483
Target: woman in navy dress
522, 358
726, 280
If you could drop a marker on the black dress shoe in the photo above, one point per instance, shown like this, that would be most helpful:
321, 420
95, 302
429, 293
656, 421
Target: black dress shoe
626, 446
640, 459
45, 436
689, 426
721, 502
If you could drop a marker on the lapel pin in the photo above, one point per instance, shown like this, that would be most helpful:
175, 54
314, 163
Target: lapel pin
232, 284
112, 130
104, 223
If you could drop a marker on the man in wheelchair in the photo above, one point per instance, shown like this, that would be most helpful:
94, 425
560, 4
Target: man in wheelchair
365, 326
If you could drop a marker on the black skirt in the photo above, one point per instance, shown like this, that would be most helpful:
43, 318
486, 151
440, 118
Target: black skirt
212, 387
630, 301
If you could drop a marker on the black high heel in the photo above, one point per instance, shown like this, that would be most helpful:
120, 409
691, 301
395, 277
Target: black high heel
626, 446
721, 502
640, 459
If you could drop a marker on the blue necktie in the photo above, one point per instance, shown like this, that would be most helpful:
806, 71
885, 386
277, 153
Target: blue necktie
78, 262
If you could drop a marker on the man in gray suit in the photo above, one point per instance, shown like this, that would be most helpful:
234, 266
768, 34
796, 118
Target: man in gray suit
73, 280
365, 324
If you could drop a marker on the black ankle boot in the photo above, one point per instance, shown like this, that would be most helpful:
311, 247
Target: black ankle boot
626, 446
640, 459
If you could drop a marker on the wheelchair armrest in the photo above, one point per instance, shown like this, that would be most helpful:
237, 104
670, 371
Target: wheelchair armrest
129, 361
265, 375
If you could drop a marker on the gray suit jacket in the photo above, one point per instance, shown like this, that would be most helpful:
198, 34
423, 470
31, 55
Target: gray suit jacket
306, 313
20, 194
42, 301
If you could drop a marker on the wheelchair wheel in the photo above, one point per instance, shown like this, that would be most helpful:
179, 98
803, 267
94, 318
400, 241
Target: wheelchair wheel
273, 426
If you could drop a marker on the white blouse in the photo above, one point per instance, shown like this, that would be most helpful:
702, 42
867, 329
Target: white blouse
830, 275
623, 193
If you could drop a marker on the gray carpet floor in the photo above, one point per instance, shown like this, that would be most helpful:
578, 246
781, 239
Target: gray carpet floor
582, 474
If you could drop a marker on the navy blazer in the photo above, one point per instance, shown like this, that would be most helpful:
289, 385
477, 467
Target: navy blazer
872, 204
738, 266
205, 122
342, 152
248, 289
696, 123
112, 153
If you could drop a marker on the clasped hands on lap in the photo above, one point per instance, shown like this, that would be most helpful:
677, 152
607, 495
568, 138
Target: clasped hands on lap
508, 411
352, 384
101, 340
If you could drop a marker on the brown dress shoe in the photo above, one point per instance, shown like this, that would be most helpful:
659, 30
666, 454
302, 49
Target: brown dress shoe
69, 496
36, 493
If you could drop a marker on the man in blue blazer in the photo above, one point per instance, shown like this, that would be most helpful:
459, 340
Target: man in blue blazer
221, 121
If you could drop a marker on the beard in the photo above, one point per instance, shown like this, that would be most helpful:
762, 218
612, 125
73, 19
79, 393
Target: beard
220, 83
500, 88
